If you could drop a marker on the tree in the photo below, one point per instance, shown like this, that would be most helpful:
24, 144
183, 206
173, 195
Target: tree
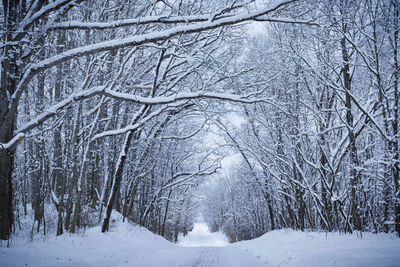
27, 22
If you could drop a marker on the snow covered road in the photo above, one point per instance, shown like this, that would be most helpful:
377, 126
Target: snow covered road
127, 245
206, 257
226, 256
201, 248
201, 236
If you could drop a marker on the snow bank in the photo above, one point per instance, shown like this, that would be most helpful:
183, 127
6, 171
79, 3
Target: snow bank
293, 248
124, 245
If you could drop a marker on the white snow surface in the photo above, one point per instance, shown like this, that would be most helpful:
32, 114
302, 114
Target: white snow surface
201, 236
295, 248
124, 245
129, 245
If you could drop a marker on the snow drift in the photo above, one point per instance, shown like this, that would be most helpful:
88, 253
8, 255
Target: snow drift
294, 248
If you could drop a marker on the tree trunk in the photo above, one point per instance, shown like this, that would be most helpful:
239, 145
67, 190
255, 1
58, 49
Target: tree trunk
119, 170
395, 122
6, 193
117, 180
9, 80
354, 175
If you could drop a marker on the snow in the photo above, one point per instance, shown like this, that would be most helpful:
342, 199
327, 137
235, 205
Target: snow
127, 244
201, 236
181, 96
124, 245
294, 248
127, 22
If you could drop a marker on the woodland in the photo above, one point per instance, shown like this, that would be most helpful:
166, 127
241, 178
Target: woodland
136, 106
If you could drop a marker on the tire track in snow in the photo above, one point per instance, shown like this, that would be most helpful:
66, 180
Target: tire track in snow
222, 257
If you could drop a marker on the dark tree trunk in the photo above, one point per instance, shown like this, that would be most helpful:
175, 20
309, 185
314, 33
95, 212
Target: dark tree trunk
119, 171
354, 174
395, 122
165, 214
117, 180
9, 80
6, 193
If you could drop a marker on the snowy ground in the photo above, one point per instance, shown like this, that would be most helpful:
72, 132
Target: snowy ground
201, 236
292, 248
127, 245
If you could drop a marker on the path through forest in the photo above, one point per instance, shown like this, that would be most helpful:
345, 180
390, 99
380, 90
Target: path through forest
210, 257
127, 245
210, 249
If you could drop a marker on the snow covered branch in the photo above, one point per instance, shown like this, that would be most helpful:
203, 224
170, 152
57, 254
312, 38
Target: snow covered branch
127, 22
102, 90
13, 142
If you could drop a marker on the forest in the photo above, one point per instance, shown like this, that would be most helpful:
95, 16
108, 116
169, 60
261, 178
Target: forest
257, 114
